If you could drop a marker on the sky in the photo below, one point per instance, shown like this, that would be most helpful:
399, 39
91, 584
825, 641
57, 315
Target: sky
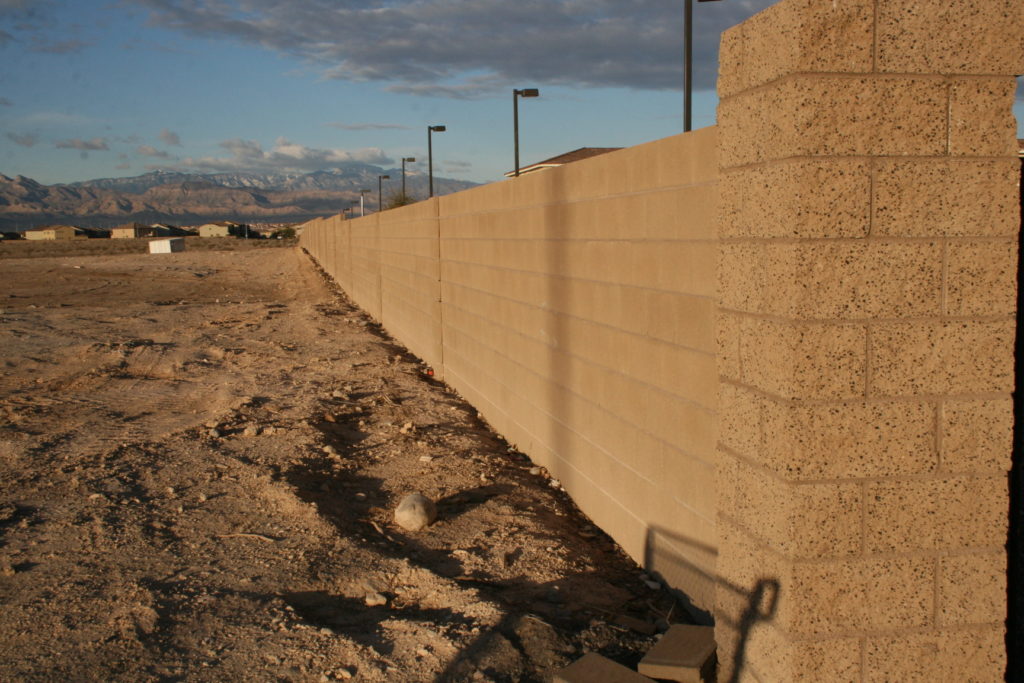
111, 88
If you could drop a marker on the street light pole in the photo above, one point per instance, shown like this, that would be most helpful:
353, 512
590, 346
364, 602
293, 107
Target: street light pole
405, 197
430, 153
688, 66
380, 191
516, 94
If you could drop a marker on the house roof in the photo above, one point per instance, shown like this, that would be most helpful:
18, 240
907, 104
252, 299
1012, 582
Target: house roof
566, 158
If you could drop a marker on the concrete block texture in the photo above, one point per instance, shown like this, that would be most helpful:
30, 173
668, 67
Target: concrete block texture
942, 37
976, 654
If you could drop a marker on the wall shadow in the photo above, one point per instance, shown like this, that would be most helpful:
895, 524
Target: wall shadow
1015, 539
760, 600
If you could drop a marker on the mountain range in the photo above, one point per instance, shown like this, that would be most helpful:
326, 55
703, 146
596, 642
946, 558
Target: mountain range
192, 198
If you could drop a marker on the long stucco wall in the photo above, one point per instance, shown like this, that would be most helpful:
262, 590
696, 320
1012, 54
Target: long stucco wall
774, 360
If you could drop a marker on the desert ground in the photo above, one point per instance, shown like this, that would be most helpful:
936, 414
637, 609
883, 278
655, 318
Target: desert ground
200, 456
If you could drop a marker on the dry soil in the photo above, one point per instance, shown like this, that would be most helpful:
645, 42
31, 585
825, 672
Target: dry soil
200, 455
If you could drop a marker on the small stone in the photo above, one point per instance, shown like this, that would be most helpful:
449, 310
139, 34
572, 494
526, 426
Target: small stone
7, 570
327, 632
214, 433
343, 674
330, 450
426, 458
535, 471
415, 512
251, 430
360, 496
268, 430
339, 394
555, 484
375, 600
407, 428
653, 585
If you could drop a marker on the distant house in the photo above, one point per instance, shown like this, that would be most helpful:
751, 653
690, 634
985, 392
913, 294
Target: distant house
56, 232
138, 230
222, 229
563, 159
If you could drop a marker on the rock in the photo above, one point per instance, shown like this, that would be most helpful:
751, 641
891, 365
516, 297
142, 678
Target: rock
214, 433
426, 458
415, 512
330, 450
7, 570
653, 585
339, 394
343, 674
375, 600
251, 430
407, 428
536, 471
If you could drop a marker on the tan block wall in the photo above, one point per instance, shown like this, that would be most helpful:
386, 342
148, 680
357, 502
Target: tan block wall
578, 308
575, 309
867, 289
775, 356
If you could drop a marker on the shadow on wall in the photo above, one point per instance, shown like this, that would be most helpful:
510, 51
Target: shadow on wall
760, 601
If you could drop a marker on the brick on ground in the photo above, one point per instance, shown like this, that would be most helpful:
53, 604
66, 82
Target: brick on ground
593, 668
685, 653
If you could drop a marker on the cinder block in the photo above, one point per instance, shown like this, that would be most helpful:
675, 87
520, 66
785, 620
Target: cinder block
946, 197
804, 360
797, 37
977, 435
727, 344
981, 120
593, 668
977, 654
797, 198
942, 514
972, 589
876, 439
685, 653
913, 359
832, 279
835, 116
941, 37
739, 415
850, 595
981, 278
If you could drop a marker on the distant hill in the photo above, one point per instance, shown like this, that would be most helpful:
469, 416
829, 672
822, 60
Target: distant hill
189, 198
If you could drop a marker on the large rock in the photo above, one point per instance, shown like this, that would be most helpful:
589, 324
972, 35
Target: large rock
415, 512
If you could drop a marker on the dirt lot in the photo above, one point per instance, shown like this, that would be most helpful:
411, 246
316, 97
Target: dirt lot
200, 455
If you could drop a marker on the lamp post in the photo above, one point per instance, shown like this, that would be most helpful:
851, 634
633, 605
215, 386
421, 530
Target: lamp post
362, 207
430, 153
688, 66
410, 160
516, 94
380, 191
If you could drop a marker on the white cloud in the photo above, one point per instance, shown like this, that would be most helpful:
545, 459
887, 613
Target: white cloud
170, 138
94, 145
249, 155
149, 151
26, 140
464, 48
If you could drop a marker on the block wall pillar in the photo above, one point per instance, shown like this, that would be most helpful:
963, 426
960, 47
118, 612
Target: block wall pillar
867, 287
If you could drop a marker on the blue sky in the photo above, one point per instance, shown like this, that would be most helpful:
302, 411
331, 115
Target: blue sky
107, 88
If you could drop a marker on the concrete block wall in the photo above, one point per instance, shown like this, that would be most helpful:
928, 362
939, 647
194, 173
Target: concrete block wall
575, 309
867, 288
578, 308
774, 359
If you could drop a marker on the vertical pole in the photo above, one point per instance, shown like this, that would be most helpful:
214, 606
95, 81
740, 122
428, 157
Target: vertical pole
515, 126
430, 158
380, 193
403, 179
688, 67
